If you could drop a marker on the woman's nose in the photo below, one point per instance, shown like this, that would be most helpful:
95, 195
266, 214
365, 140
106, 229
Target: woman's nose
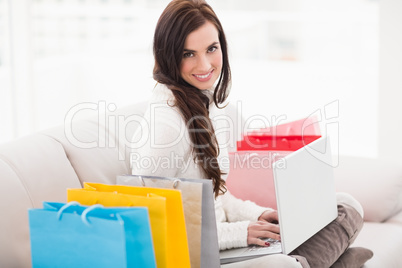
204, 64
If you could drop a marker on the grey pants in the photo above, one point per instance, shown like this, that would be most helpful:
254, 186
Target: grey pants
322, 249
325, 247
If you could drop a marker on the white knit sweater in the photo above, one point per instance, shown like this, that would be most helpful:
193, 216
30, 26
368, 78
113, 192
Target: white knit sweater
163, 148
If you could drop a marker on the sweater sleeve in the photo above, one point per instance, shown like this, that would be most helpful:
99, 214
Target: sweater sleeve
239, 210
232, 234
233, 217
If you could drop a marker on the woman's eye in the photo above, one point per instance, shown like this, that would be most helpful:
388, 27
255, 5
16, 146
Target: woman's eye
212, 49
187, 55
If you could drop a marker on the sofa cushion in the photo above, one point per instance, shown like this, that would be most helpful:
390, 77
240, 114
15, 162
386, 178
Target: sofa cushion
41, 166
375, 183
99, 147
33, 169
14, 231
396, 218
92, 161
384, 239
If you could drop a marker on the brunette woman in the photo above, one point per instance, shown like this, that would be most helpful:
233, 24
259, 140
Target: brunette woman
183, 137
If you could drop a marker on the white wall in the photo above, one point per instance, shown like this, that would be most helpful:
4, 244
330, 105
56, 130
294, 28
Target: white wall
335, 67
390, 79
292, 60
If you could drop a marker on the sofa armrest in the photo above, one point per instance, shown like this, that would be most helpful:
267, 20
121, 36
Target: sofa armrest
375, 183
33, 169
396, 219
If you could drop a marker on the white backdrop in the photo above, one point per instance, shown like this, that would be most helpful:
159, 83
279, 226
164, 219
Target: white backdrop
289, 58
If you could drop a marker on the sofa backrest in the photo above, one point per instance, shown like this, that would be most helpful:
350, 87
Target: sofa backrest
40, 167
33, 169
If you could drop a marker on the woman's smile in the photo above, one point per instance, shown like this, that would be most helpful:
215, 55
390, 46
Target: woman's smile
204, 77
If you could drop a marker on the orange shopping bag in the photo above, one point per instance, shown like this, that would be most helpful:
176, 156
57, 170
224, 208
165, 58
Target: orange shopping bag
171, 253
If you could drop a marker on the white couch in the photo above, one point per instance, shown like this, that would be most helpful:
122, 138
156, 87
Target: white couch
40, 167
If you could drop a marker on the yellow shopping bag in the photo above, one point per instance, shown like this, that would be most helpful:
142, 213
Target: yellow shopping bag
156, 207
176, 246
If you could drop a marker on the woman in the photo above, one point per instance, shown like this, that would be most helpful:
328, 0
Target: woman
184, 138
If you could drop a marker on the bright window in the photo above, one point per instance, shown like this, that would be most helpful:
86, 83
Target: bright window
288, 57
6, 109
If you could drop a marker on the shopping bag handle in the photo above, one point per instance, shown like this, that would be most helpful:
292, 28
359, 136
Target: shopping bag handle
84, 213
69, 204
175, 182
87, 210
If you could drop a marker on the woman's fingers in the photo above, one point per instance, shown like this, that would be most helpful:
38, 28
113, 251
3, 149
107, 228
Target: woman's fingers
264, 226
269, 216
262, 229
259, 242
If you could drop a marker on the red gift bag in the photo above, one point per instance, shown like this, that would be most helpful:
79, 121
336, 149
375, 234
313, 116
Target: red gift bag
251, 175
286, 137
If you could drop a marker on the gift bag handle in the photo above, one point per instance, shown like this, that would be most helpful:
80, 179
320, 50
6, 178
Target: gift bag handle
142, 181
87, 210
175, 182
72, 203
84, 213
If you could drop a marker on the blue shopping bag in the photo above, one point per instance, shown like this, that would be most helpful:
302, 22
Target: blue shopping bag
71, 235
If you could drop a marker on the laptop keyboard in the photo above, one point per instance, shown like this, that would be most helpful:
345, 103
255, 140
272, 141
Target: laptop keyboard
274, 245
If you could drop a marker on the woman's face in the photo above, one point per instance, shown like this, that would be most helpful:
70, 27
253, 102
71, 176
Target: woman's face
202, 57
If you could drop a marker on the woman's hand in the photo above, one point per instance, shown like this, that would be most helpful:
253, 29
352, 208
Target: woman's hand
266, 227
269, 216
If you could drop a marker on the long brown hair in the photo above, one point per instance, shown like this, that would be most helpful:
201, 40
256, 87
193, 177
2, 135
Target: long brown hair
178, 20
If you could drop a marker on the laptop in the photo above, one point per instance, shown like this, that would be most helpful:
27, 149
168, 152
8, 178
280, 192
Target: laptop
306, 200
